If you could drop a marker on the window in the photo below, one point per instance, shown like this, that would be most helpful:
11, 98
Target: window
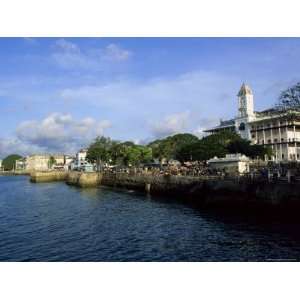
282, 139
275, 140
269, 141
242, 126
282, 156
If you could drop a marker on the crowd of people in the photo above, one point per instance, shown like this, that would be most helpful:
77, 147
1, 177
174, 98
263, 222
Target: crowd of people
195, 168
264, 171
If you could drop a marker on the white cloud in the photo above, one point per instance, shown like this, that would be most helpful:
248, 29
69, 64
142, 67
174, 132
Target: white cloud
198, 88
172, 124
55, 133
15, 146
115, 53
66, 46
204, 94
205, 123
70, 56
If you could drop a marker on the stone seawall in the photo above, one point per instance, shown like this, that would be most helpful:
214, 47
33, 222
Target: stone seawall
48, 176
14, 173
238, 192
81, 179
211, 192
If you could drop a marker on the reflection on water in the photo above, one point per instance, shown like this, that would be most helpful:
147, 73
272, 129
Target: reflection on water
56, 222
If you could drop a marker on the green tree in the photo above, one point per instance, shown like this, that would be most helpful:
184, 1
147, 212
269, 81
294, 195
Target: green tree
170, 147
134, 155
208, 147
99, 151
9, 162
290, 98
253, 151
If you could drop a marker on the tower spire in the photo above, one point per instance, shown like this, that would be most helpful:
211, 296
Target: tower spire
245, 90
245, 101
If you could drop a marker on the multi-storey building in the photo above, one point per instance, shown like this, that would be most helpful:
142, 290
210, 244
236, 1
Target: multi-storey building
277, 129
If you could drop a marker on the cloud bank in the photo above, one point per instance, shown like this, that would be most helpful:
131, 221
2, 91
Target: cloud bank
56, 133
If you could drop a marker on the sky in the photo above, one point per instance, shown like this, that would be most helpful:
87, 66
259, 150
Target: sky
58, 94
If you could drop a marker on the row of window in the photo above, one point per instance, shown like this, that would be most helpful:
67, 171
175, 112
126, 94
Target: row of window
292, 156
270, 124
269, 141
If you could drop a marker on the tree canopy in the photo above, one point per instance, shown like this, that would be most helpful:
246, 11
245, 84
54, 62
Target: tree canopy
183, 147
99, 151
253, 151
9, 162
104, 150
220, 144
290, 98
169, 147
208, 147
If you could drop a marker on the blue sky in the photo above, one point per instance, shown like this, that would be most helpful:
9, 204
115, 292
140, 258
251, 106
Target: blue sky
57, 94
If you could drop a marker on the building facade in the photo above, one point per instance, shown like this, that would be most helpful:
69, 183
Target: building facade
20, 164
279, 130
231, 163
80, 163
42, 162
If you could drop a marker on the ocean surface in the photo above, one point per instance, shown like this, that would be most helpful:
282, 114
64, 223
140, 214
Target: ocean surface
56, 222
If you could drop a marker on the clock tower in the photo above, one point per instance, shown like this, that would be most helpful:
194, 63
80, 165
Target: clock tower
246, 111
245, 100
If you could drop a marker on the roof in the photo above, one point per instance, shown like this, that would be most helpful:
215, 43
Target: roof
229, 158
223, 124
274, 113
245, 90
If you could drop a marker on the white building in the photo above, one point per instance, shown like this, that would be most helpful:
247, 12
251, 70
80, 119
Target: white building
231, 163
0, 164
81, 155
42, 162
37, 162
279, 130
80, 162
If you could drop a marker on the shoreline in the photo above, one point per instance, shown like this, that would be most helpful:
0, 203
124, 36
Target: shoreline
239, 193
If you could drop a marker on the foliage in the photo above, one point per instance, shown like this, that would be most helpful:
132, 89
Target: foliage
208, 147
104, 150
128, 153
99, 151
290, 98
183, 147
169, 147
220, 144
244, 147
9, 162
